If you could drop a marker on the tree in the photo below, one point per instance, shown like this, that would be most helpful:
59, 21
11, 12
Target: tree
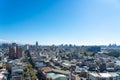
114, 53
25, 75
25, 70
34, 77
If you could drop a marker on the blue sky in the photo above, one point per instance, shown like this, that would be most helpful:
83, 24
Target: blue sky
80, 22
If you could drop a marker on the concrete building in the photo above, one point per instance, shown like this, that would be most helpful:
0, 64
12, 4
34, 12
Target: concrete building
15, 52
17, 74
16, 69
2, 77
36, 43
103, 76
48, 73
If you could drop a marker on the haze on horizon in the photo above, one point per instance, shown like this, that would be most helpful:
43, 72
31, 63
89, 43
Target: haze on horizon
80, 22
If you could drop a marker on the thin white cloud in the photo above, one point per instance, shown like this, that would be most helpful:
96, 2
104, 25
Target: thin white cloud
4, 41
11, 41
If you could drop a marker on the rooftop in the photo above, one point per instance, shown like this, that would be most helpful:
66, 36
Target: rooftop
104, 75
46, 69
56, 76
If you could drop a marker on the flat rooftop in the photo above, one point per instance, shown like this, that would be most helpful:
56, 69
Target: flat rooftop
104, 75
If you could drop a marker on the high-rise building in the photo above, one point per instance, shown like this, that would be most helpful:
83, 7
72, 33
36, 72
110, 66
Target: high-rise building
27, 46
11, 52
14, 44
15, 52
36, 43
19, 53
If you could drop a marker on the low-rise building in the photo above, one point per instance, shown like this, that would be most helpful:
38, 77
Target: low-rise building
103, 76
48, 73
17, 70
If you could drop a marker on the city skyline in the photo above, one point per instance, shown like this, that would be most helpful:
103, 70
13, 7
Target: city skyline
79, 22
